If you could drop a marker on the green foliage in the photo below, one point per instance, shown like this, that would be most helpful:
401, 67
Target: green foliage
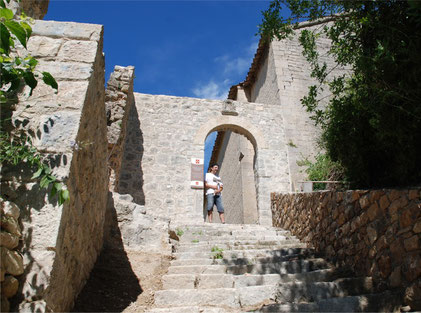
15, 146
18, 149
195, 241
323, 169
179, 232
217, 253
371, 124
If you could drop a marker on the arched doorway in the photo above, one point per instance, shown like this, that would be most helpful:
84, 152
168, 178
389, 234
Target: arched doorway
266, 160
235, 154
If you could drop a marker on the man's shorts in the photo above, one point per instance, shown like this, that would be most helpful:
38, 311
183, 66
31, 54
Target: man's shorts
214, 200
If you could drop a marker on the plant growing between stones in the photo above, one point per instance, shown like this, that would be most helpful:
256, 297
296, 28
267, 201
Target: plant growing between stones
195, 241
15, 145
179, 232
217, 253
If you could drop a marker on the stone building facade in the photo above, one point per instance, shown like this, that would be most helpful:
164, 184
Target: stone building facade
280, 76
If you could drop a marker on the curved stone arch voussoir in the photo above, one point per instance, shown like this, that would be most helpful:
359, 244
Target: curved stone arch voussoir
234, 123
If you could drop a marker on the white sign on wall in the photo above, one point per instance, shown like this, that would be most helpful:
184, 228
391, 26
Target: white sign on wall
196, 181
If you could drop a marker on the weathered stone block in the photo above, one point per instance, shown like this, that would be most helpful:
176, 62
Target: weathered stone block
8, 240
9, 209
39, 46
412, 243
9, 286
11, 261
372, 234
78, 51
364, 202
409, 216
417, 227
66, 70
384, 202
11, 225
68, 30
373, 211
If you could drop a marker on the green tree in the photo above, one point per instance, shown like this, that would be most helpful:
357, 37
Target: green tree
15, 71
372, 122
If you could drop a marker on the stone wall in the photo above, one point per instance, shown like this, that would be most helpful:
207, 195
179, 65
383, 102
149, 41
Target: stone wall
118, 102
377, 232
11, 265
60, 243
230, 173
265, 89
32, 8
236, 160
165, 132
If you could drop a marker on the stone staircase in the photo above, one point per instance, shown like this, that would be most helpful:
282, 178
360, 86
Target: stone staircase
252, 268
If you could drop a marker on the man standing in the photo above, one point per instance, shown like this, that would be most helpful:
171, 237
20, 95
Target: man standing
214, 186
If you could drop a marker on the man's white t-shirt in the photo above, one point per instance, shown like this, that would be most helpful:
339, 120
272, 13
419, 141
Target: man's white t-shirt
212, 180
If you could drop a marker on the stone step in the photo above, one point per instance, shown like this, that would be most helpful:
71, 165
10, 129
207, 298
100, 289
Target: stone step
284, 267
189, 309
314, 292
245, 261
215, 232
378, 302
230, 227
235, 246
222, 297
294, 266
255, 253
188, 240
208, 281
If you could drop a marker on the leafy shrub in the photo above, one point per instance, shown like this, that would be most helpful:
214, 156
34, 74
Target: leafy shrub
323, 169
371, 124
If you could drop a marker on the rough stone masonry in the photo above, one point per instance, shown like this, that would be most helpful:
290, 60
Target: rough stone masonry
60, 243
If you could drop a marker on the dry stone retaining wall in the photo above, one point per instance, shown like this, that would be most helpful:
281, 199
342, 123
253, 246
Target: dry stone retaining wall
61, 243
377, 232
11, 265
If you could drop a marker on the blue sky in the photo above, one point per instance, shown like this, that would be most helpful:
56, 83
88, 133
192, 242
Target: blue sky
181, 48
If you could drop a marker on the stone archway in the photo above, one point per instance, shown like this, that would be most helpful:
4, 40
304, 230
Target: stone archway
234, 123
241, 127
235, 155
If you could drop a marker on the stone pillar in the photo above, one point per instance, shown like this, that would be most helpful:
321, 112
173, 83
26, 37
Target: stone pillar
118, 101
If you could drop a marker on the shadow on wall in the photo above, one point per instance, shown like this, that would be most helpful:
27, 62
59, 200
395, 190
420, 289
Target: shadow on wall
112, 285
131, 175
